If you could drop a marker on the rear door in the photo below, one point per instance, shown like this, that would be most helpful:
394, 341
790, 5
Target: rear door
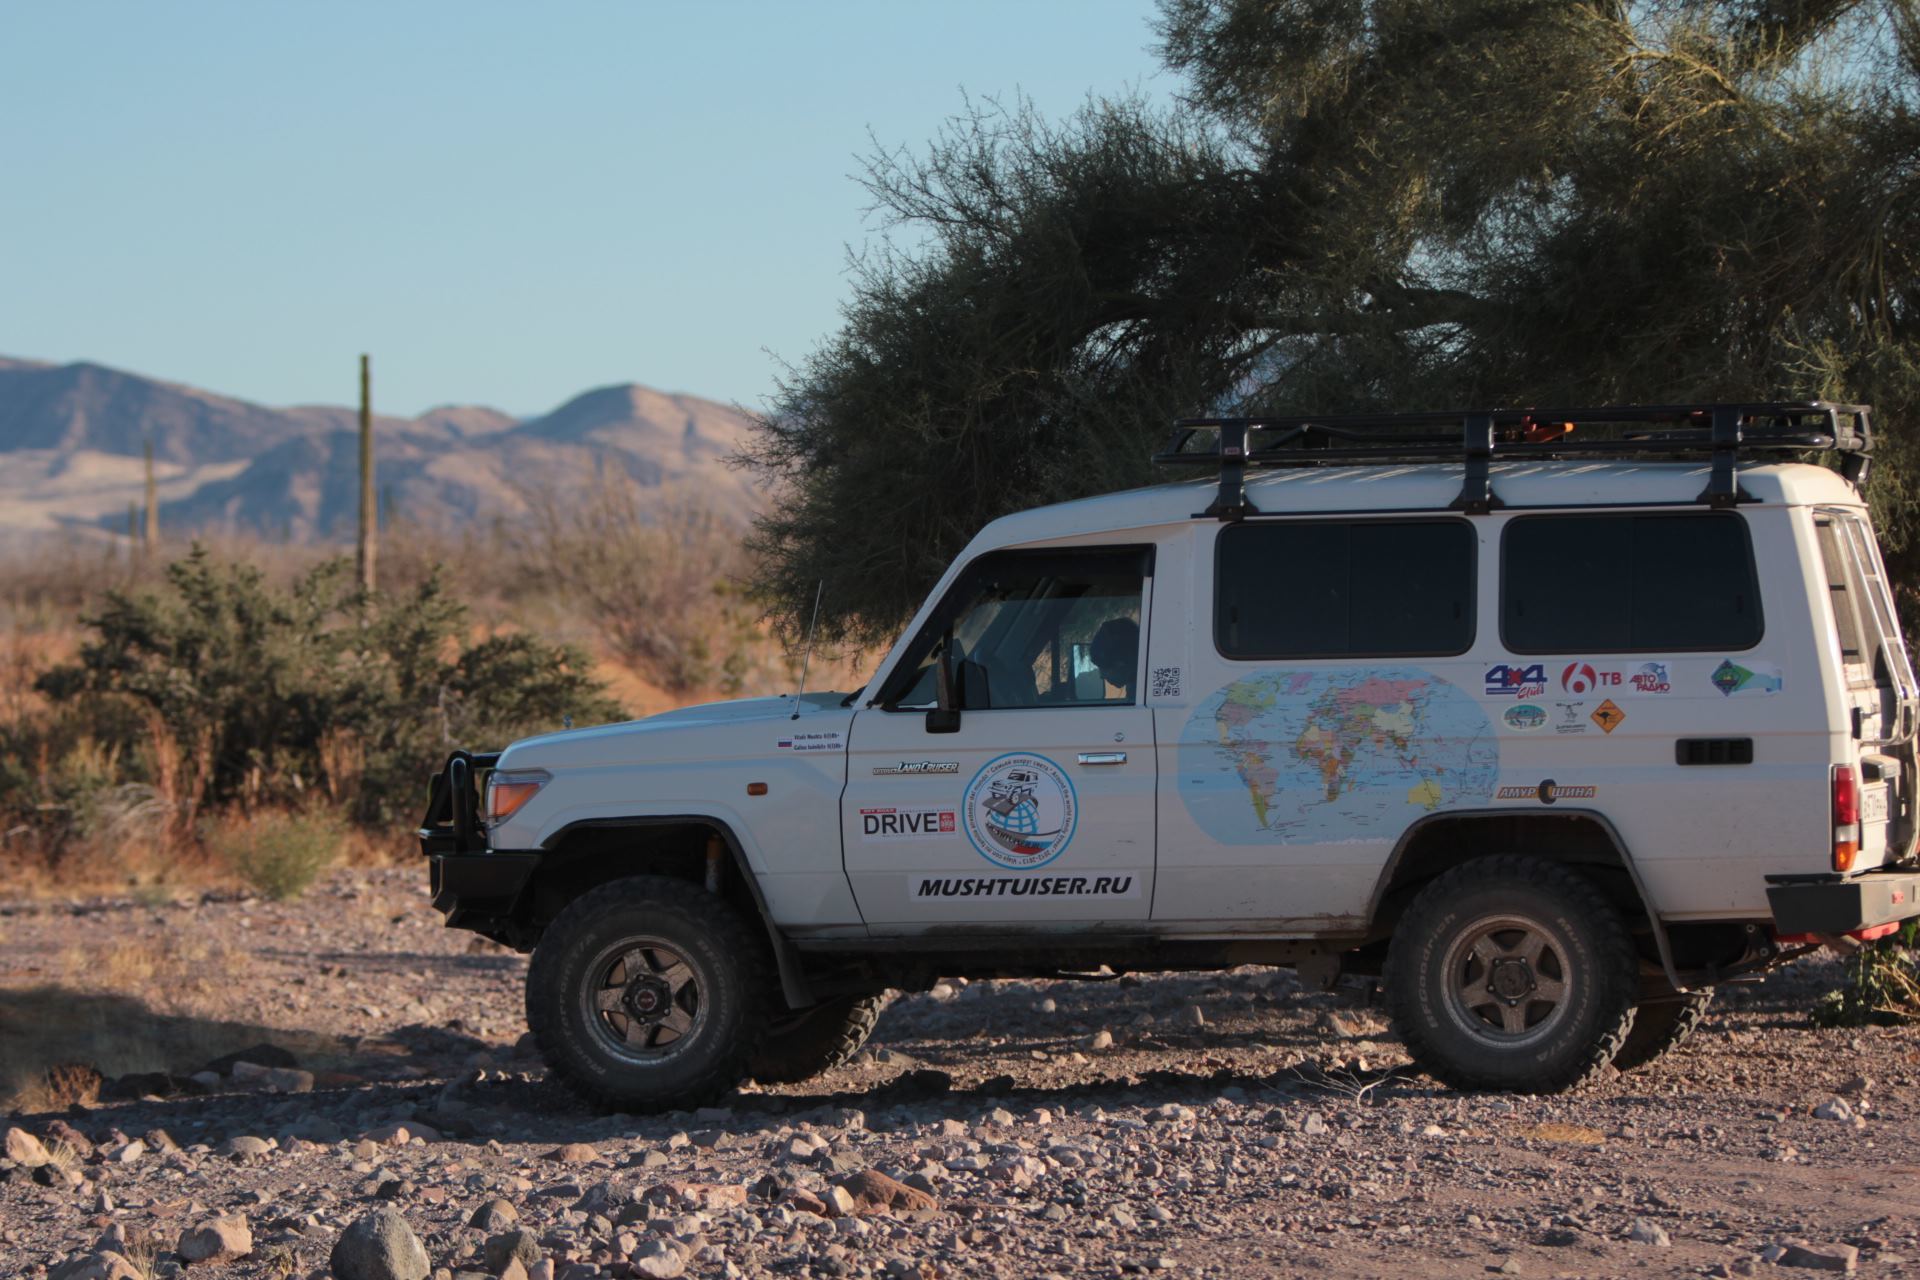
1039, 808
1878, 679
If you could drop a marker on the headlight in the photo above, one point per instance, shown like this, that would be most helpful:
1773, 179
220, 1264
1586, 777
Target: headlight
508, 791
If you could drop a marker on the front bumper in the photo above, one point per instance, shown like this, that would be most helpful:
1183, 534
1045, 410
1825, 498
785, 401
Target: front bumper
1836, 905
481, 891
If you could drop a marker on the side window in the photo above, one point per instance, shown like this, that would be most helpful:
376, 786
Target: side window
1344, 588
1625, 583
1035, 629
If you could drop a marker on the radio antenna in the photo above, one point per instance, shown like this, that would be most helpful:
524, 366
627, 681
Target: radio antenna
807, 659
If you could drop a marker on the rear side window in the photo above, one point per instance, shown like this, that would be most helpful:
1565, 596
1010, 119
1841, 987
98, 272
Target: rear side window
1349, 588
1626, 583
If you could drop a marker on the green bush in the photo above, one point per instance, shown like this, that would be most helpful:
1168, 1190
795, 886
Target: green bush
278, 854
1880, 985
237, 693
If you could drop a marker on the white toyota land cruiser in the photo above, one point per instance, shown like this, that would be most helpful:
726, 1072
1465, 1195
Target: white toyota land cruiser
1552, 719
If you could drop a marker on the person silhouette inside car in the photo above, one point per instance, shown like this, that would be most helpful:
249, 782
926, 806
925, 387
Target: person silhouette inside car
1116, 651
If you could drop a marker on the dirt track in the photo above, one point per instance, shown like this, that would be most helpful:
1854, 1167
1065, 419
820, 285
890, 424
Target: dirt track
1275, 1140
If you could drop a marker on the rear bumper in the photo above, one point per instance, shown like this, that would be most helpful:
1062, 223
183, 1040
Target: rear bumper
1837, 905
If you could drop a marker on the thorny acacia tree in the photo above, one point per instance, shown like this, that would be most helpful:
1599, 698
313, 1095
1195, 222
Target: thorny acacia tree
1358, 204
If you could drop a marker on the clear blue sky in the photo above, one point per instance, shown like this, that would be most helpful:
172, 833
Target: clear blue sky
504, 203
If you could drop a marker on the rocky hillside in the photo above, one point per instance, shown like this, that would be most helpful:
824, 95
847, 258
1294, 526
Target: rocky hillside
72, 438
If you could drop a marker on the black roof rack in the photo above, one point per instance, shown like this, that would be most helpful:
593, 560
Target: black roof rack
1723, 432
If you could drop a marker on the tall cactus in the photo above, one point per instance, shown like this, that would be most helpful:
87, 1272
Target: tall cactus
151, 538
368, 512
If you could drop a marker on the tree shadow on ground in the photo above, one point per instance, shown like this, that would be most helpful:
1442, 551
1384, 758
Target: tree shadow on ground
46, 1027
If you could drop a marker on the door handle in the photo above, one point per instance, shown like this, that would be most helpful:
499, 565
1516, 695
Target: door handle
1103, 757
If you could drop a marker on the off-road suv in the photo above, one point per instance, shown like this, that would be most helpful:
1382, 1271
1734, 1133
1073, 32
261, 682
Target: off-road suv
1552, 720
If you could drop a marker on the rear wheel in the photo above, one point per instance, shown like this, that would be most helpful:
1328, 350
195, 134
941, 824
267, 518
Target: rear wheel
807, 1042
1662, 1024
1512, 973
645, 995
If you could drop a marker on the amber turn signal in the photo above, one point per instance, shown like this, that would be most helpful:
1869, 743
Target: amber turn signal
507, 793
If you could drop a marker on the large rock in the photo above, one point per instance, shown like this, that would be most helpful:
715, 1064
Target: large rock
573, 1153
1818, 1257
273, 1079
379, 1246
103, 1265
520, 1246
25, 1149
219, 1239
657, 1260
245, 1147
871, 1191
260, 1055
708, 1197
59, 1131
494, 1215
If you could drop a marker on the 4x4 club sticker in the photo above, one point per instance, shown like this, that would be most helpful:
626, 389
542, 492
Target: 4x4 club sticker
894, 823
1506, 681
1020, 811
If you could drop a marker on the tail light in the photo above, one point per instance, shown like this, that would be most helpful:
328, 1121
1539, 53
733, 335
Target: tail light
1846, 817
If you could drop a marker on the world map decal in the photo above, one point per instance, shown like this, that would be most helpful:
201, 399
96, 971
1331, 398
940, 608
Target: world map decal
1316, 757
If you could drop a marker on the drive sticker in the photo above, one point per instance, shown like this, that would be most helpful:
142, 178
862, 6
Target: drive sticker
908, 824
1524, 718
1020, 811
1608, 716
827, 740
1731, 678
915, 768
1547, 792
1505, 681
1108, 887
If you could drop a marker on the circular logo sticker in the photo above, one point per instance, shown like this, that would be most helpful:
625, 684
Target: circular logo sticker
1020, 811
1524, 718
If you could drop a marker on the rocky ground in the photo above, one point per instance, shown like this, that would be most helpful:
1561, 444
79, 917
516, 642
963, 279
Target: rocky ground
360, 1098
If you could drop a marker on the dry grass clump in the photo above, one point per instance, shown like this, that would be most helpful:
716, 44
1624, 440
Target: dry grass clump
278, 854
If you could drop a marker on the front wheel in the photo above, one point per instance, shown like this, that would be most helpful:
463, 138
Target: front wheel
645, 994
1512, 973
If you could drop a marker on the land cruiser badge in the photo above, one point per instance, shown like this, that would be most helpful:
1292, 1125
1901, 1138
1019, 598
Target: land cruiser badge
1020, 811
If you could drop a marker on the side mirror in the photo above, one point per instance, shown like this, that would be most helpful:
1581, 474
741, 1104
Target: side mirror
944, 715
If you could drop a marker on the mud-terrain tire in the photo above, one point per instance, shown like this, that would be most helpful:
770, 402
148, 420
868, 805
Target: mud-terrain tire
647, 994
1511, 973
1662, 1025
804, 1043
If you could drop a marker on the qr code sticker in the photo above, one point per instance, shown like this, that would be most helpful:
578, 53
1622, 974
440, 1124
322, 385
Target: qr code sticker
1166, 682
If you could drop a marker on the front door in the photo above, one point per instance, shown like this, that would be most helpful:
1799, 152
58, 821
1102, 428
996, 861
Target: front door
1039, 807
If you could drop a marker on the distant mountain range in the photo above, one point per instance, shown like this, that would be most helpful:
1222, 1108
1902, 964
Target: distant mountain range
72, 439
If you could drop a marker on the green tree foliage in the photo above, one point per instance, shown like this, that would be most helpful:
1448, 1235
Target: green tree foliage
1358, 204
247, 694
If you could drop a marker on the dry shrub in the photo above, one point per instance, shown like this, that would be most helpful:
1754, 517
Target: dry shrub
279, 854
661, 580
73, 1084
